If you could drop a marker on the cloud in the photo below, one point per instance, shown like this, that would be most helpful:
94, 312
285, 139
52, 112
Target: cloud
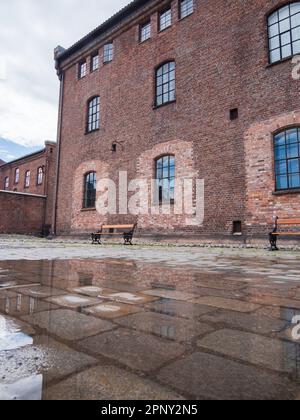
29, 31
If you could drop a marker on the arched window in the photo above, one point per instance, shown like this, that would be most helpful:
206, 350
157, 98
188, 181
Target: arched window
284, 32
165, 176
89, 198
27, 179
287, 159
165, 83
17, 176
93, 118
6, 183
40, 175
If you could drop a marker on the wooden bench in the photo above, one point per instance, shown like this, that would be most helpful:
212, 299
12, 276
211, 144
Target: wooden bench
276, 233
127, 231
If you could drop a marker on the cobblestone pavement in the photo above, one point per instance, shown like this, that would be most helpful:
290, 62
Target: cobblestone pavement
85, 322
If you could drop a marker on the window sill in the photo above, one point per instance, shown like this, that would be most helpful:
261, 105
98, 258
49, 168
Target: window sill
165, 104
185, 17
88, 209
269, 65
165, 29
91, 132
285, 192
145, 41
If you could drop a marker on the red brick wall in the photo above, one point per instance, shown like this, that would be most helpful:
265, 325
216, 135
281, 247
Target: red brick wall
221, 59
45, 159
21, 213
263, 203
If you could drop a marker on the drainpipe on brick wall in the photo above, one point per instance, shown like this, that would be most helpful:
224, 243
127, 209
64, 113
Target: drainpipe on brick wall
59, 129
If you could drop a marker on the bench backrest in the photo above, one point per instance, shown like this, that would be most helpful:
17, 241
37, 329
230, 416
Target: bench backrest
118, 227
288, 222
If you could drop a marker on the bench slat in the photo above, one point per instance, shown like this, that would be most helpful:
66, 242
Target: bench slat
118, 227
288, 222
287, 233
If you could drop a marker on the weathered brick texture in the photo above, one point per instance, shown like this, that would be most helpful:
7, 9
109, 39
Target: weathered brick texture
221, 54
45, 159
21, 213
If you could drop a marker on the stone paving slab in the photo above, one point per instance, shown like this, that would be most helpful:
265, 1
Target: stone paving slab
47, 357
108, 383
134, 349
205, 376
18, 305
111, 310
131, 298
286, 314
275, 301
73, 301
68, 325
179, 308
40, 291
227, 294
220, 283
251, 323
92, 291
252, 348
230, 304
171, 328
170, 294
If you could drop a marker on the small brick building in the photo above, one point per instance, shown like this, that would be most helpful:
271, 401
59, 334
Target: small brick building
184, 88
27, 192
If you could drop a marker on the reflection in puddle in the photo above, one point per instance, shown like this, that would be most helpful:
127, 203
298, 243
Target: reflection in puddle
28, 389
11, 337
76, 328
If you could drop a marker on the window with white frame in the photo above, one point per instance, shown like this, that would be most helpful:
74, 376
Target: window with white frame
95, 62
145, 31
165, 19
17, 175
82, 69
6, 183
186, 8
108, 54
27, 179
40, 175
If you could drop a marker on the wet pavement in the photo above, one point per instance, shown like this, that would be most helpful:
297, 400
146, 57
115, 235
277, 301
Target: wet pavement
220, 327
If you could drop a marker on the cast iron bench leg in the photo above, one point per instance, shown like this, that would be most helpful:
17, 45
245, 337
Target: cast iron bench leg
273, 242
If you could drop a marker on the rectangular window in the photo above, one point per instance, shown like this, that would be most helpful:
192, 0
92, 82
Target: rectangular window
186, 8
40, 174
145, 32
95, 62
6, 183
27, 179
17, 176
82, 69
108, 52
165, 19
93, 122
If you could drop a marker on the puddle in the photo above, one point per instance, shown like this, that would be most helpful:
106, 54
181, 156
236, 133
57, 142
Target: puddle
86, 328
28, 389
11, 335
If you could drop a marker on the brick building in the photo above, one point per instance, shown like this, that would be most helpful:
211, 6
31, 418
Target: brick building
27, 192
184, 88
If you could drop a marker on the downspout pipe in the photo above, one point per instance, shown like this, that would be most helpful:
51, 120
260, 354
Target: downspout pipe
60, 74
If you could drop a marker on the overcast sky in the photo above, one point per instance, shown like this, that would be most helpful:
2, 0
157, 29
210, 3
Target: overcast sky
29, 31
